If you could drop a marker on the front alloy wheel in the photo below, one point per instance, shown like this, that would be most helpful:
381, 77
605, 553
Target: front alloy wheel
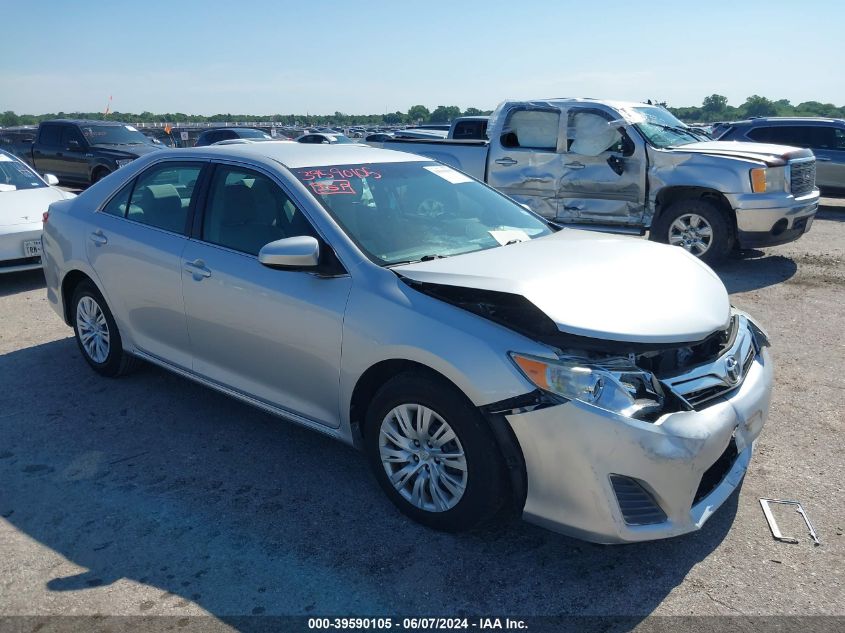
423, 458
698, 226
433, 453
691, 232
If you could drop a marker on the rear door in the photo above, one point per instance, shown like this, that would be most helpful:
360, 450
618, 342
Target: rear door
273, 335
524, 162
603, 178
828, 144
47, 150
135, 244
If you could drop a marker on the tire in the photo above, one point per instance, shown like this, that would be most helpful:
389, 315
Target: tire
99, 174
684, 223
450, 494
93, 321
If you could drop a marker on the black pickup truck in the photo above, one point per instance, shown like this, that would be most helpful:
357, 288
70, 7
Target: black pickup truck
82, 152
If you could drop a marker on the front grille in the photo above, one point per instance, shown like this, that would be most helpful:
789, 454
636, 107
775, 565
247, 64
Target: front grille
714, 475
803, 177
637, 505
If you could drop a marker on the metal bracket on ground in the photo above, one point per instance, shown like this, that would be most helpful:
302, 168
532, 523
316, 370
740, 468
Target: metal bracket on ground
773, 526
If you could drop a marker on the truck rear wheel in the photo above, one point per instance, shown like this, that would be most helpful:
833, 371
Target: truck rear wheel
698, 226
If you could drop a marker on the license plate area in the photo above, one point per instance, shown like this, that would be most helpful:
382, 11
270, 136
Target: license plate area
32, 248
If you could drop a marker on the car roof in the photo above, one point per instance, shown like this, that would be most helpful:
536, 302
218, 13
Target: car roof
295, 155
87, 122
232, 129
788, 120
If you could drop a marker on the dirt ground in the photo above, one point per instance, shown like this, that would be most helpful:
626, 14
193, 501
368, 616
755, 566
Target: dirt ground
151, 495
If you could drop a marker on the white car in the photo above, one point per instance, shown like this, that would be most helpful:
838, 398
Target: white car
24, 197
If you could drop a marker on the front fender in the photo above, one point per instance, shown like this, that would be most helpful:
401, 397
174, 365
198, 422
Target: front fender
388, 320
676, 168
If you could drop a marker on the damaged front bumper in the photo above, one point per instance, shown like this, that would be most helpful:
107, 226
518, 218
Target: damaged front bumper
607, 478
766, 220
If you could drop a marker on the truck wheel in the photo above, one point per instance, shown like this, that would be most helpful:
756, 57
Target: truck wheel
99, 174
432, 453
698, 226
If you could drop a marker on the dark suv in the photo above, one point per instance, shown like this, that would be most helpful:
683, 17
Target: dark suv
826, 137
209, 137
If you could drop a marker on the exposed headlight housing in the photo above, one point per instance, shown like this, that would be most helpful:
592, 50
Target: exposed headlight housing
768, 179
123, 162
614, 384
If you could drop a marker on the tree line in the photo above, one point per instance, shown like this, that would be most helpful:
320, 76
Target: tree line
415, 115
713, 108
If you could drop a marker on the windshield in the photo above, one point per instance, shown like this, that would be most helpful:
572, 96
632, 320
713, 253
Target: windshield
246, 133
340, 138
405, 212
14, 175
112, 135
662, 129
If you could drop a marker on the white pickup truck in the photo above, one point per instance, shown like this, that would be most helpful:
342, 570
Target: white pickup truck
632, 167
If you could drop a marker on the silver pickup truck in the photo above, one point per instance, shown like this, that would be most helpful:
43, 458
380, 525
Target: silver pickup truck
632, 168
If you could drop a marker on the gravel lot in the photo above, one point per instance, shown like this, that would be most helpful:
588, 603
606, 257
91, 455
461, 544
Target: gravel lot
152, 495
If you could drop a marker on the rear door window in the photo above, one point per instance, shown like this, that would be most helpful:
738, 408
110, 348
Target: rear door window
50, 136
795, 135
534, 129
162, 196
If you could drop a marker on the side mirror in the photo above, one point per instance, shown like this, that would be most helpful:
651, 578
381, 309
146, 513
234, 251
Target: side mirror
74, 146
51, 180
298, 252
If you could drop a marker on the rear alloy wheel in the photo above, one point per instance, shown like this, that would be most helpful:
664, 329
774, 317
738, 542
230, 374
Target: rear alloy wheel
433, 453
96, 333
698, 226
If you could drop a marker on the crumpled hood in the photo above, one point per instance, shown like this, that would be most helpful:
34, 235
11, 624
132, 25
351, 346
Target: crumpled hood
26, 206
772, 155
596, 285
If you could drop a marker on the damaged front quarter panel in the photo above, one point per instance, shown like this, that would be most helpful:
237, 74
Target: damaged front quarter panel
687, 460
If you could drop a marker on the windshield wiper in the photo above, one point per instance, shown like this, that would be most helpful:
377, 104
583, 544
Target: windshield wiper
424, 258
677, 130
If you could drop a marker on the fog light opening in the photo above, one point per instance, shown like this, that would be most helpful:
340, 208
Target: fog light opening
780, 226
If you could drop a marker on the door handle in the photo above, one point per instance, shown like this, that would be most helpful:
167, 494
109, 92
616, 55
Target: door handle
507, 161
98, 238
197, 269
575, 165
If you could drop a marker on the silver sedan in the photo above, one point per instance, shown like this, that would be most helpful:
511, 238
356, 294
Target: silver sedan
482, 358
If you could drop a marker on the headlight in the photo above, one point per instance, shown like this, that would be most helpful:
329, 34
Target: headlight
768, 179
614, 385
123, 162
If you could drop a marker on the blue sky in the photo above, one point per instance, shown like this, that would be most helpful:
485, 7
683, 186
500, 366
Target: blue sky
373, 57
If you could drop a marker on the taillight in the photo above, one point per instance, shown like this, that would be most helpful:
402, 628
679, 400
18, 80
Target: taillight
45, 216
